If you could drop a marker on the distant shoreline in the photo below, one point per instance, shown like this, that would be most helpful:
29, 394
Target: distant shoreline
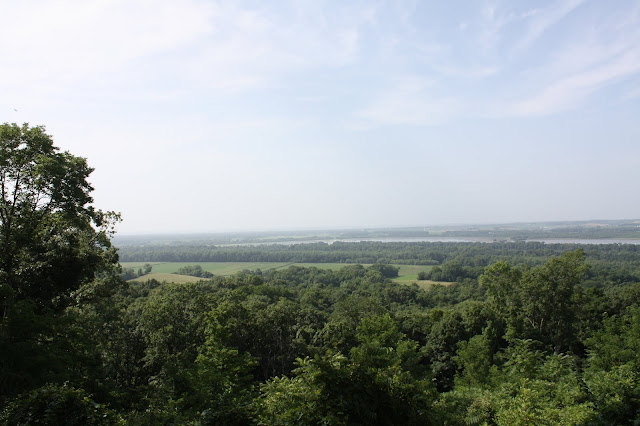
446, 240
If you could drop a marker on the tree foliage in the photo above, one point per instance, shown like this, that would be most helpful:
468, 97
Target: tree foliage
52, 243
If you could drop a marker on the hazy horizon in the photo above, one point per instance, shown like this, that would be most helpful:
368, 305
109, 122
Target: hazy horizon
205, 116
356, 228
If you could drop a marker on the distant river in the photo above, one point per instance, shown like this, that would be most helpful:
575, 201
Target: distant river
578, 241
456, 240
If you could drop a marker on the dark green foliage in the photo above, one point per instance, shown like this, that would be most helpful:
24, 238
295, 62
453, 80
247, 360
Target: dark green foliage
48, 244
448, 328
333, 390
388, 271
452, 271
613, 365
475, 360
129, 273
368, 351
539, 303
57, 405
381, 382
194, 271
52, 244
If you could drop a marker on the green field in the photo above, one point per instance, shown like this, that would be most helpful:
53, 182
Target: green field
162, 271
170, 278
410, 272
216, 268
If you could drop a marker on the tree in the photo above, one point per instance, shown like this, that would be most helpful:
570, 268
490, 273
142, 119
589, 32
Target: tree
194, 271
538, 303
388, 271
475, 359
49, 245
613, 365
333, 390
223, 374
172, 323
54, 404
52, 242
548, 303
500, 279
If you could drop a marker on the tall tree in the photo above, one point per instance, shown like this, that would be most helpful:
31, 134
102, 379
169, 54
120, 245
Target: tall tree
52, 242
548, 302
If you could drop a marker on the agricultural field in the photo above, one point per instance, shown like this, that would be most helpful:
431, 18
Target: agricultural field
408, 275
216, 268
163, 271
170, 278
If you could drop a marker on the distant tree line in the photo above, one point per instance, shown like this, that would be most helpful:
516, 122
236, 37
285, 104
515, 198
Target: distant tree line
194, 271
629, 229
451, 271
132, 273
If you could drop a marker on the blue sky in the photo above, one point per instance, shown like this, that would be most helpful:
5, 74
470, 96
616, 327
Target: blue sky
213, 116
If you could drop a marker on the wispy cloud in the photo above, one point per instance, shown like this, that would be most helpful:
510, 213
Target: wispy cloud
66, 40
64, 50
253, 47
492, 25
573, 90
485, 55
194, 45
538, 21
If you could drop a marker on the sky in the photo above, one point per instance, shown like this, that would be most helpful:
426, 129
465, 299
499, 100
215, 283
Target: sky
206, 116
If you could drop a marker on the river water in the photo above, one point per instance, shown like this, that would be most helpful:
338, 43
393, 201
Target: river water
458, 240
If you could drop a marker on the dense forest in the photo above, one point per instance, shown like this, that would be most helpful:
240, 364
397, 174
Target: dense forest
528, 333
366, 252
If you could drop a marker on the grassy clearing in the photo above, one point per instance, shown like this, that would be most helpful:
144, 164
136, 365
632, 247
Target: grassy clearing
228, 268
425, 284
216, 268
170, 278
332, 266
163, 271
410, 272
